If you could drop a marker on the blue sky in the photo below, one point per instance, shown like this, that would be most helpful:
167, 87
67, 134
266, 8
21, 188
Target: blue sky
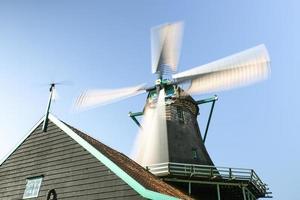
106, 44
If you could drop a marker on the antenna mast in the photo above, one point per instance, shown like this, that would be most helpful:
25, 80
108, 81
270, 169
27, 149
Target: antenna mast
45, 124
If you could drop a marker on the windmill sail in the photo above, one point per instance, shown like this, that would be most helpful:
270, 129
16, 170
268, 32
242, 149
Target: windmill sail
237, 70
55, 95
151, 144
92, 98
165, 47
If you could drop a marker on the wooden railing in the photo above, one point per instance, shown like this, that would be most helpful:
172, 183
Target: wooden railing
210, 172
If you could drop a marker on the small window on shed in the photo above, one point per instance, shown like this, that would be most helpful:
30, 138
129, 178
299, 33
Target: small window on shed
33, 186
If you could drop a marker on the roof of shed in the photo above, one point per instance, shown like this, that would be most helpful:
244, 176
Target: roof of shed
140, 174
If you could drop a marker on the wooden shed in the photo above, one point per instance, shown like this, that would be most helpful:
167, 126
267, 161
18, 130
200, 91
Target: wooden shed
65, 163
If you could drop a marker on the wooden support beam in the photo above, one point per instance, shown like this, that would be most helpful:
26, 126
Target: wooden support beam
218, 191
133, 117
244, 193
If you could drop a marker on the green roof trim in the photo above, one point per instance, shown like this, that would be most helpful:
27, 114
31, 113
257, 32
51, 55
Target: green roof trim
111, 165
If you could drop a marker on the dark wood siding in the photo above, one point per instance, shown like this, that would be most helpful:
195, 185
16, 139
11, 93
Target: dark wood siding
67, 167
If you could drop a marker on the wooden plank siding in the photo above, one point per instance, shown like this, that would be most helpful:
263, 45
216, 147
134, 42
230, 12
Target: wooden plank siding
66, 166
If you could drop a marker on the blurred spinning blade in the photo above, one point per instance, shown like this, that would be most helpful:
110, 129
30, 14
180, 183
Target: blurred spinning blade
92, 98
240, 69
165, 47
151, 144
55, 95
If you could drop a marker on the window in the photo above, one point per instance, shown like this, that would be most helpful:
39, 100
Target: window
180, 114
32, 187
169, 90
195, 154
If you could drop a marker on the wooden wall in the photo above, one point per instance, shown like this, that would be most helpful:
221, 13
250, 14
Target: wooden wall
66, 166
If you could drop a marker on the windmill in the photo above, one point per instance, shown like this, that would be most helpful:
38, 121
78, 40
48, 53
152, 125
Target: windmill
170, 135
240, 69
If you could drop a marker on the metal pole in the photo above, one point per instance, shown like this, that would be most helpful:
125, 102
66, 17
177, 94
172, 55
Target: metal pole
45, 124
218, 191
190, 188
209, 118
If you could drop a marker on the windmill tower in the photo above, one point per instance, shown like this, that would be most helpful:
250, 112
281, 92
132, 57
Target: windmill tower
172, 133
170, 144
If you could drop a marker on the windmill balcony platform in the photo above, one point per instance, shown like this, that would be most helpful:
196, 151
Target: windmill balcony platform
204, 174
